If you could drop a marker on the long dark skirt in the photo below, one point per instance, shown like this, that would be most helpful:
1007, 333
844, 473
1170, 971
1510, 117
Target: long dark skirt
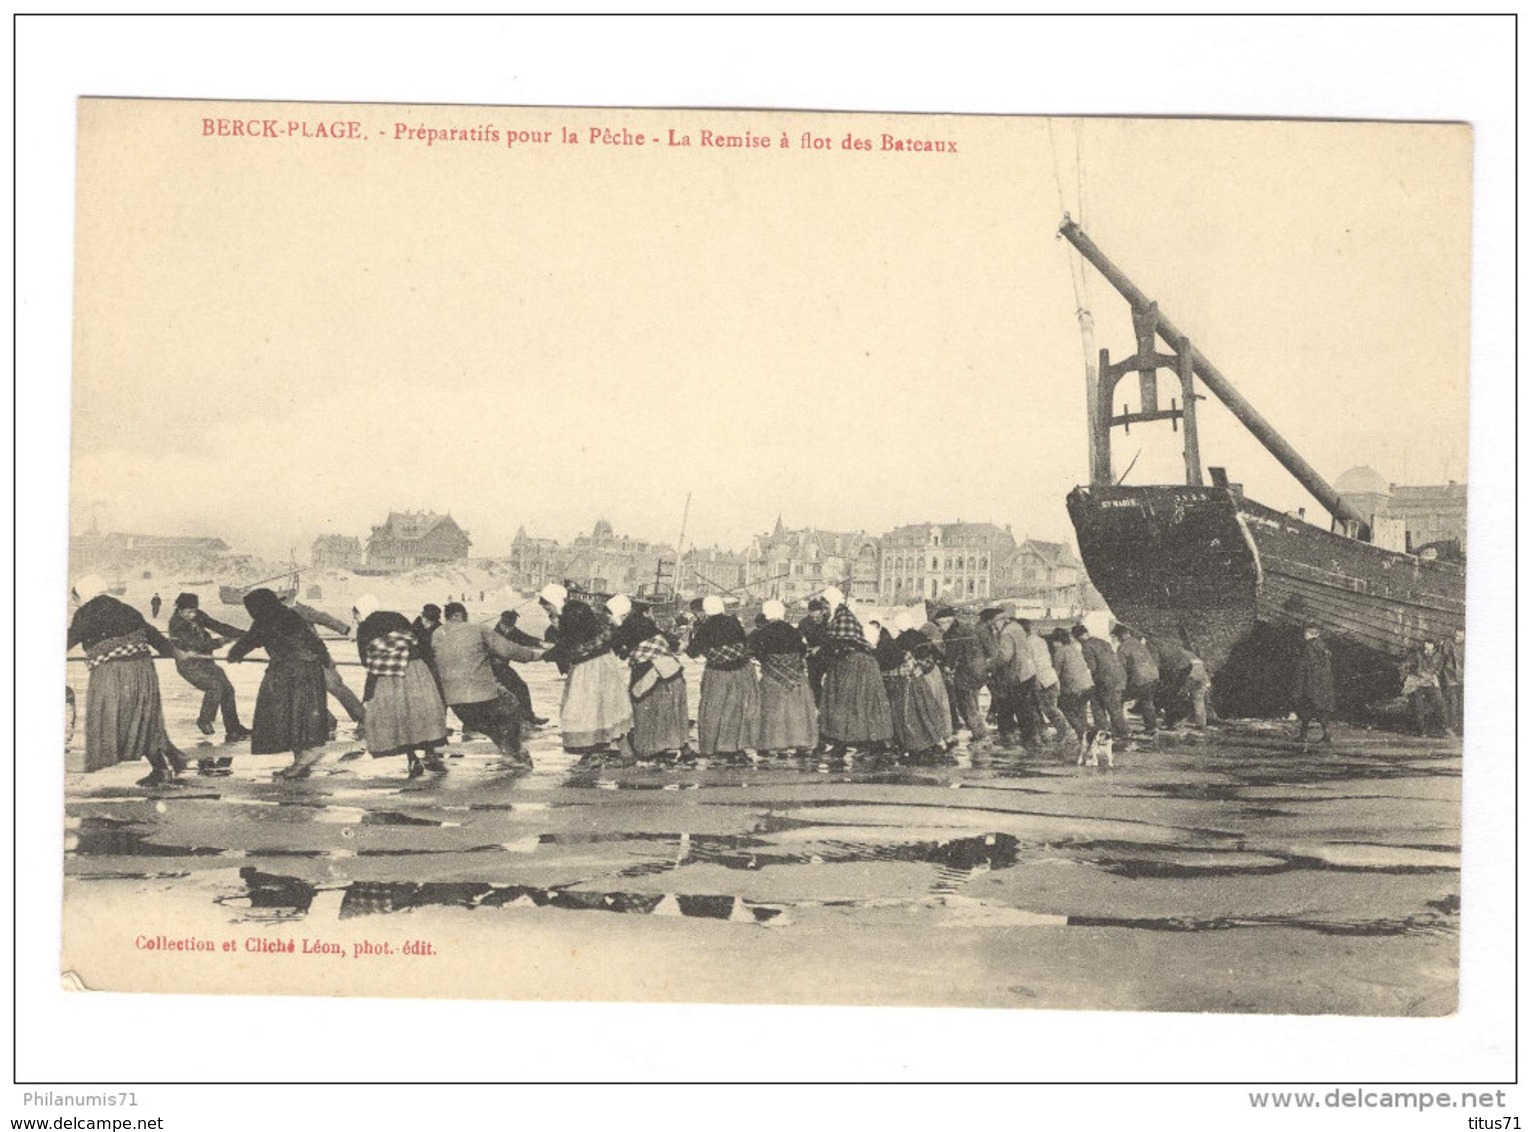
124, 718
289, 710
855, 708
921, 718
405, 712
660, 719
788, 717
728, 717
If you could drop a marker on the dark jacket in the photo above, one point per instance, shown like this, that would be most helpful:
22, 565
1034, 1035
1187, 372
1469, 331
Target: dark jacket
1106, 668
965, 656
777, 637
1313, 688
1173, 660
582, 635
717, 631
1142, 672
104, 617
286, 636
1452, 661
198, 635
814, 633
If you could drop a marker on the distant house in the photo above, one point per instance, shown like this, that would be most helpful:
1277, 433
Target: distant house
416, 538
1050, 574
949, 561
711, 571
1039, 568
535, 561
339, 552
1427, 513
795, 565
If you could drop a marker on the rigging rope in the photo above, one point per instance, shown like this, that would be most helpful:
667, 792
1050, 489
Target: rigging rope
1076, 271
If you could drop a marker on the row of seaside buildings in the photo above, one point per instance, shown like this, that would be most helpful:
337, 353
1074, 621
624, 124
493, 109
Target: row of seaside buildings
939, 561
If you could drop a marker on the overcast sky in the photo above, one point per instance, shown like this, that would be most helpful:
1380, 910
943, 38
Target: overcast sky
279, 339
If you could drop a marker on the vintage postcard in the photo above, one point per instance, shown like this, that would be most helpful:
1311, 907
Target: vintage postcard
767, 557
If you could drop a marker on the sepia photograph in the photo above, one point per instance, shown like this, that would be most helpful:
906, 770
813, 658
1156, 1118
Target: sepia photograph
1014, 563
784, 544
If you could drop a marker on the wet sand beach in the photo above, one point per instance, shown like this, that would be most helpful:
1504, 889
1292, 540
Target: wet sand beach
1231, 871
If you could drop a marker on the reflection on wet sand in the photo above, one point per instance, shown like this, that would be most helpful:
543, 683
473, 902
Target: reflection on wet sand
1225, 835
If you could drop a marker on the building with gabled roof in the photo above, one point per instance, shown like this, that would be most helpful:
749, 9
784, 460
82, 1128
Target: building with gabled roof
1051, 575
339, 552
408, 539
793, 566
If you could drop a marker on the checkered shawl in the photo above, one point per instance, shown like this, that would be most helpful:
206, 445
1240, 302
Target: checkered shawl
388, 655
784, 669
728, 657
132, 646
845, 631
646, 652
907, 667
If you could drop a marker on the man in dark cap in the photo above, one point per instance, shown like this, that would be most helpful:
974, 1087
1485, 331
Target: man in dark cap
968, 665
1110, 679
507, 676
1313, 688
195, 635
425, 625
814, 629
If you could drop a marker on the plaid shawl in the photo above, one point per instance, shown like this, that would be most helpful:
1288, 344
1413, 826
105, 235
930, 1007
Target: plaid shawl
131, 646
653, 662
726, 658
646, 652
388, 655
784, 669
844, 630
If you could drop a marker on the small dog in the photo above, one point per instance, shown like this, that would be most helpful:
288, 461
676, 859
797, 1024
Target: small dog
1095, 746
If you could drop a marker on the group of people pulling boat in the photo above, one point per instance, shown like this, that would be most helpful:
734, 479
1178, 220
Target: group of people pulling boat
825, 686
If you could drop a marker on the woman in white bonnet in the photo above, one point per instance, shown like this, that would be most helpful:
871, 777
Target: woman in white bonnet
922, 713
855, 710
596, 711
789, 721
657, 680
728, 716
405, 714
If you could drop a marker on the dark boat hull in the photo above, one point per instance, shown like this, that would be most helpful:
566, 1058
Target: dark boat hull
1235, 582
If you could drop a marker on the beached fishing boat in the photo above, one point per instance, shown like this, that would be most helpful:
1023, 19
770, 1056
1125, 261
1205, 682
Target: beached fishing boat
1231, 579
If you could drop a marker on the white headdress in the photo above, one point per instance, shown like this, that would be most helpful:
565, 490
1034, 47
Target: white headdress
835, 598
88, 586
773, 610
712, 605
619, 606
365, 606
555, 595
